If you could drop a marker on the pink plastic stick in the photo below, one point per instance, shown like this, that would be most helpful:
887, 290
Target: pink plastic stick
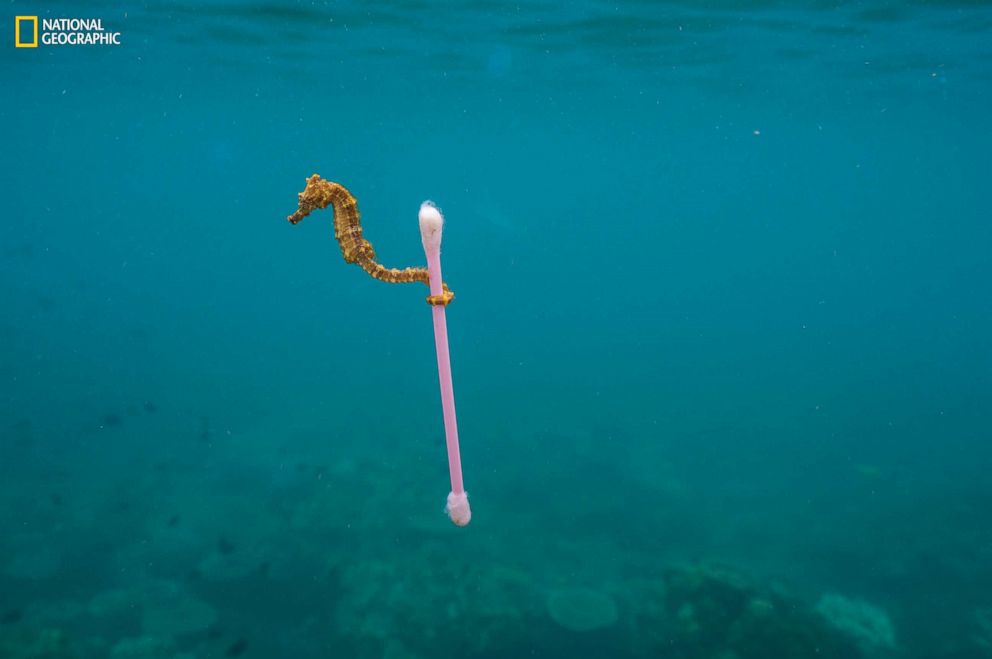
431, 223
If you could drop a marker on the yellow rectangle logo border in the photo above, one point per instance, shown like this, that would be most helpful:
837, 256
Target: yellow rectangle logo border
17, 32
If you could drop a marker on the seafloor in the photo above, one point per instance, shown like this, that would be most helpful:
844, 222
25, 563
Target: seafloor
279, 543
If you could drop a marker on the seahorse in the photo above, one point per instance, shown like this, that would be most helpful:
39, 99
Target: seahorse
321, 193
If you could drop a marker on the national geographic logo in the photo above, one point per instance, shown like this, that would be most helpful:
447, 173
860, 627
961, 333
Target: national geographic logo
62, 32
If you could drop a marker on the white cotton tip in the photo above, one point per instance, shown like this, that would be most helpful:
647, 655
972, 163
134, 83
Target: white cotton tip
458, 509
431, 222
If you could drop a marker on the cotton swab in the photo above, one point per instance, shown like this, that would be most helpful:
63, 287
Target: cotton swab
431, 225
321, 193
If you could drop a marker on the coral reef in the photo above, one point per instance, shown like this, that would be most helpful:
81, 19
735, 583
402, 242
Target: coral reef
719, 613
868, 625
333, 555
429, 600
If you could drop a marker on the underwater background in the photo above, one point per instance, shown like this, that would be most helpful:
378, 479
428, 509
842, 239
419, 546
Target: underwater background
721, 342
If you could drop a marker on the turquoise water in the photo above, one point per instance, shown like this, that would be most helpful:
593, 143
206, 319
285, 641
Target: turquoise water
720, 344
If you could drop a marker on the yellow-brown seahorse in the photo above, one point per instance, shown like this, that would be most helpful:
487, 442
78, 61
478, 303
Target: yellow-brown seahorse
321, 193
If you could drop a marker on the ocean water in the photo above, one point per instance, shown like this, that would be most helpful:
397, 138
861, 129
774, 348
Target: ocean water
721, 341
